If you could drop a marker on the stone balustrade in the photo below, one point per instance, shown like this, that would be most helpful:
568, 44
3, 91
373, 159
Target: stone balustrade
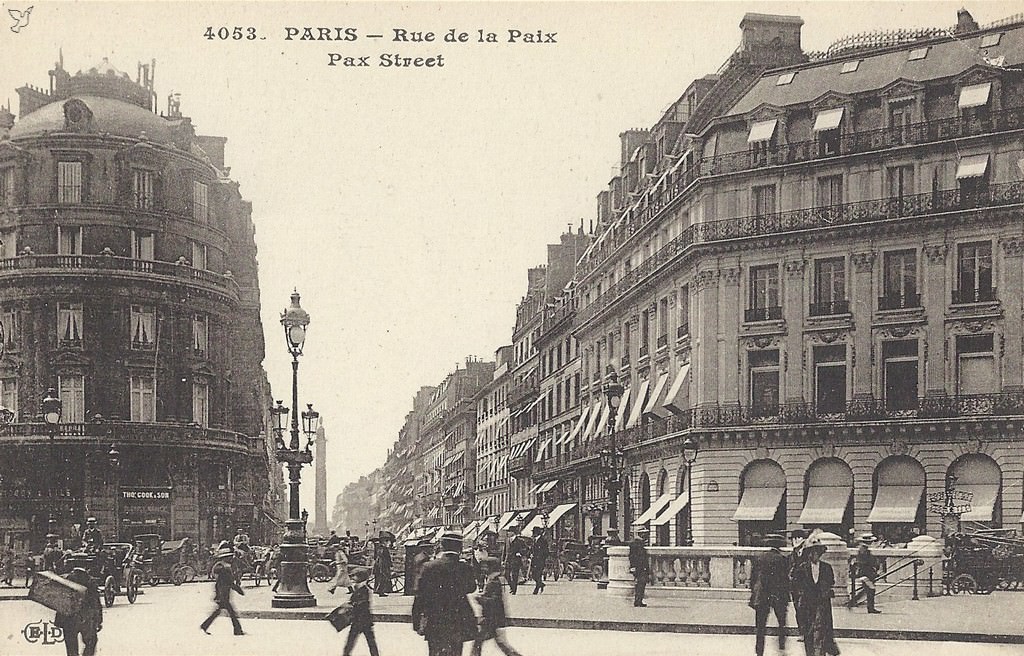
713, 572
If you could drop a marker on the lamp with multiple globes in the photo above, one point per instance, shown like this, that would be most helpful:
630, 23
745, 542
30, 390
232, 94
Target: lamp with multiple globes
293, 591
52, 407
611, 457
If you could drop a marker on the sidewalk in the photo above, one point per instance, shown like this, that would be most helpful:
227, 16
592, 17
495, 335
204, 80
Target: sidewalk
993, 618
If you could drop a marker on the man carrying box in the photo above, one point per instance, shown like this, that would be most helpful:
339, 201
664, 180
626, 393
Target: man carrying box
88, 620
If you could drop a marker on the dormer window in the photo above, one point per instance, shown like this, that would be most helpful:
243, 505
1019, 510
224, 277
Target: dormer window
827, 132
990, 40
761, 138
850, 66
975, 95
918, 53
785, 78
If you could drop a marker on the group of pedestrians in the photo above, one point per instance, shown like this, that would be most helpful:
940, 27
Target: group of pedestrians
808, 581
518, 554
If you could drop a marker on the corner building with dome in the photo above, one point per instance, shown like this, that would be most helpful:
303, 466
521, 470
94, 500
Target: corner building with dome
128, 284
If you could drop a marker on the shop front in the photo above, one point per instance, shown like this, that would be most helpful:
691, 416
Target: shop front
144, 510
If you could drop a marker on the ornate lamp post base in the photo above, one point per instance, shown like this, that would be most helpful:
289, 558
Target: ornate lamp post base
293, 592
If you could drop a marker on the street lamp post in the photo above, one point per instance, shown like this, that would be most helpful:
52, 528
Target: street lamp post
613, 392
52, 408
114, 458
690, 456
293, 591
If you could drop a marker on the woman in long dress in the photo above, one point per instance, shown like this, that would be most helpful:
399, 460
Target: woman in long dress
814, 579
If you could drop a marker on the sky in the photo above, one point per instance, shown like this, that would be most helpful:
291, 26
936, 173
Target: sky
405, 204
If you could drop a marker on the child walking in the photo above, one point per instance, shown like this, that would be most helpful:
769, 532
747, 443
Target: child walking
362, 620
493, 619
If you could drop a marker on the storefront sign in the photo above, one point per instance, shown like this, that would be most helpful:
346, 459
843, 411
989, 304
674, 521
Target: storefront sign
146, 493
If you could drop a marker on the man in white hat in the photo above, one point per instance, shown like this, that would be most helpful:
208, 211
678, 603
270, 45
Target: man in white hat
866, 571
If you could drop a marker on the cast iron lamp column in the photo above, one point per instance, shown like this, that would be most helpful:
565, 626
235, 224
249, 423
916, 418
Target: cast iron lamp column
613, 392
52, 408
293, 591
690, 456
114, 458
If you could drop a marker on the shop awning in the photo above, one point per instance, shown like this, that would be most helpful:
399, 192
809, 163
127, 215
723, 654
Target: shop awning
543, 449
654, 405
759, 504
825, 505
675, 400
452, 459
762, 131
672, 509
521, 448
458, 489
580, 424
458, 511
638, 403
469, 530
828, 119
972, 166
505, 519
975, 95
622, 413
595, 414
982, 502
602, 424
489, 524
652, 512
559, 512
547, 487
896, 503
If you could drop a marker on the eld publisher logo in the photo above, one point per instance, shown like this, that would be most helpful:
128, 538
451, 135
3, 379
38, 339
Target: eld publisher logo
44, 632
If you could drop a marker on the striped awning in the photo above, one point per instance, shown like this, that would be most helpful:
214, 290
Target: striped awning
521, 448
654, 406
638, 403
578, 428
672, 509
547, 487
623, 412
675, 400
542, 451
652, 512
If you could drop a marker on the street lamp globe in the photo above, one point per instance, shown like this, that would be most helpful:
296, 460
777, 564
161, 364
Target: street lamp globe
295, 319
114, 456
613, 391
689, 451
52, 407
310, 421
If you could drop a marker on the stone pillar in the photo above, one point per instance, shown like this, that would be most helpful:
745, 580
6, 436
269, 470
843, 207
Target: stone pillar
793, 311
1010, 296
929, 550
707, 348
838, 556
320, 480
935, 296
862, 300
729, 306
619, 578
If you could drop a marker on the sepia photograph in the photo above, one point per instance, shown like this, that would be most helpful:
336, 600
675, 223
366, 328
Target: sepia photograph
466, 328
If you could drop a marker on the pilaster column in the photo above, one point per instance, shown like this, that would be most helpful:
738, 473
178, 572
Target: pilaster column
935, 296
861, 295
793, 311
706, 345
1010, 297
728, 339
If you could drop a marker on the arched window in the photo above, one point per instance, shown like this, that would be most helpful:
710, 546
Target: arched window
828, 488
762, 504
979, 475
898, 512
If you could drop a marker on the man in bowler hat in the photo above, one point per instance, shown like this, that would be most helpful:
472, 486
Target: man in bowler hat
225, 583
769, 591
640, 565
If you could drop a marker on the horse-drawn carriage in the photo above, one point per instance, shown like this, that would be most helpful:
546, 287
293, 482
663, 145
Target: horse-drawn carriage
983, 561
113, 568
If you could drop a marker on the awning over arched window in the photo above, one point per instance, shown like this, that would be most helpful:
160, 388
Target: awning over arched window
980, 475
900, 486
829, 486
763, 485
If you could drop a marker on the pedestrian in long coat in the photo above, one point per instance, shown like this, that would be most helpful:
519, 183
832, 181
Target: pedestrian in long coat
382, 567
87, 622
769, 591
515, 550
9, 558
362, 618
815, 578
493, 618
539, 559
639, 566
224, 585
866, 566
795, 558
341, 574
440, 611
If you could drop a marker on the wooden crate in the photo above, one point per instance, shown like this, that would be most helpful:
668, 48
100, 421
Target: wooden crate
57, 593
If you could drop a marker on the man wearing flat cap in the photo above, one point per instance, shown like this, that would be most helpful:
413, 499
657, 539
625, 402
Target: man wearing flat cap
440, 611
769, 591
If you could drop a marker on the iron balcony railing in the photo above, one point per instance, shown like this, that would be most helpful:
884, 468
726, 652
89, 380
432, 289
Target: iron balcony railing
133, 432
870, 211
771, 313
658, 198
34, 262
897, 302
828, 308
983, 295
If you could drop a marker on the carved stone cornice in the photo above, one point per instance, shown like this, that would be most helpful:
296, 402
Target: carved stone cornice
863, 262
730, 276
795, 268
706, 279
936, 253
1013, 246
